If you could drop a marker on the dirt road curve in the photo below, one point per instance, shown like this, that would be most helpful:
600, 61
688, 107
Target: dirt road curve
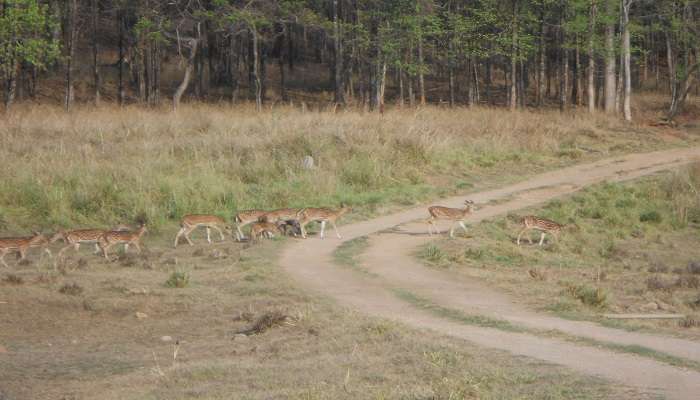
310, 263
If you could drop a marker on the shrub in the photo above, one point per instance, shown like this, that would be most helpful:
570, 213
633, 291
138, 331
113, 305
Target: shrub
650, 216
657, 283
688, 322
688, 281
178, 279
71, 289
594, 297
694, 267
13, 279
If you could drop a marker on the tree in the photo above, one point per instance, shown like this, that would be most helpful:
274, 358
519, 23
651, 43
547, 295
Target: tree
610, 86
23, 40
627, 109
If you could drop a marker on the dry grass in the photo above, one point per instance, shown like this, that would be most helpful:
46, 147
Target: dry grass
109, 165
128, 336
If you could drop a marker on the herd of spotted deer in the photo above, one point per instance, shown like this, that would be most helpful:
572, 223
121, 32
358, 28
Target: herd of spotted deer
263, 224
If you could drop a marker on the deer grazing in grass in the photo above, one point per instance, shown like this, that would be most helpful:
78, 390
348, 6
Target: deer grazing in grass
21, 245
192, 222
112, 238
244, 218
456, 215
543, 225
322, 215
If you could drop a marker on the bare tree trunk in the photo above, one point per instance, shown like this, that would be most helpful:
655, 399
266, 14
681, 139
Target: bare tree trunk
400, 100
513, 57
192, 43
338, 47
71, 21
578, 97
421, 78
564, 82
541, 88
591, 57
120, 28
626, 4
11, 84
610, 88
256, 69
95, 50
564, 66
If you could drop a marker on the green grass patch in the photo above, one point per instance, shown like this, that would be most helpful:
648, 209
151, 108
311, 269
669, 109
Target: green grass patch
348, 253
456, 315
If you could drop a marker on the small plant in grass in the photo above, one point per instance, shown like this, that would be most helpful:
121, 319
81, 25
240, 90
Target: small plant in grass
655, 282
688, 322
178, 279
694, 267
652, 216
13, 279
71, 289
590, 296
434, 254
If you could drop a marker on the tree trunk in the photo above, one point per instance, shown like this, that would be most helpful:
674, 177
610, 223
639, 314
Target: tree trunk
541, 62
421, 77
338, 54
591, 57
71, 21
11, 84
256, 70
95, 50
120, 63
192, 43
513, 57
578, 96
610, 88
627, 57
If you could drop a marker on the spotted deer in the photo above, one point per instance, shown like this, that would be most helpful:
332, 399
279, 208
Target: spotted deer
191, 222
21, 245
245, 218
111, 238
456, 215
322, 215
543, 225
262, 229
283, 214
74, 238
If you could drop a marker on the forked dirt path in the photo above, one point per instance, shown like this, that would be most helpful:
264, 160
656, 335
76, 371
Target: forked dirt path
310, 263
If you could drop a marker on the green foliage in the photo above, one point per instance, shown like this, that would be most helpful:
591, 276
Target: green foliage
23, 37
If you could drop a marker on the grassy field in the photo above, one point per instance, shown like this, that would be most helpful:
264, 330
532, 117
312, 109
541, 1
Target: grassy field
108, 166
628, 248
166, 324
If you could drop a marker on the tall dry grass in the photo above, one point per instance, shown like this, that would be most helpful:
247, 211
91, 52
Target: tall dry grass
111, 165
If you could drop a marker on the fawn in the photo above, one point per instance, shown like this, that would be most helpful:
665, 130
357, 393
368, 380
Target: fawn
192, 222
244, 218
322, 215
540, 224
21, 245
456, 215
111, 238
263, 229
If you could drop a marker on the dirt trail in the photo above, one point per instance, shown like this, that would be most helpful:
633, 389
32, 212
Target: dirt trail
310, 263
